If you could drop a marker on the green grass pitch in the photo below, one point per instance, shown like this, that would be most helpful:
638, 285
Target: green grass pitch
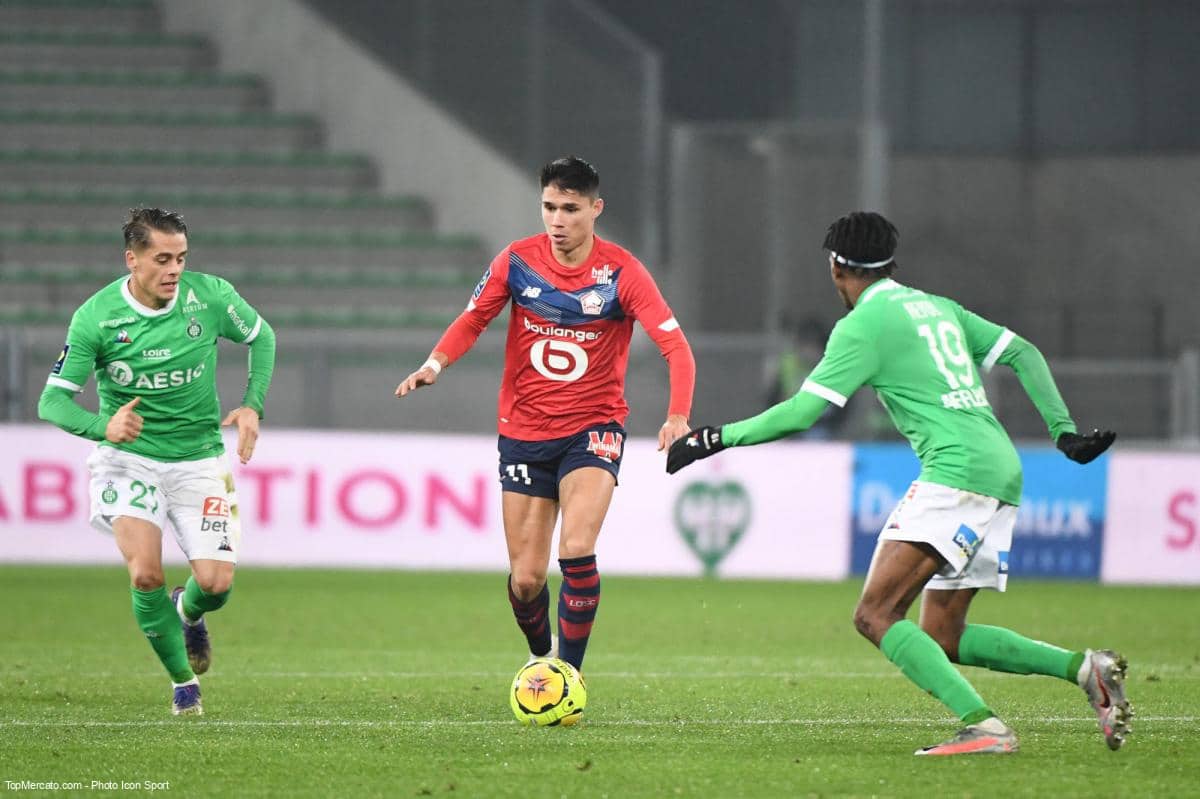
394, 684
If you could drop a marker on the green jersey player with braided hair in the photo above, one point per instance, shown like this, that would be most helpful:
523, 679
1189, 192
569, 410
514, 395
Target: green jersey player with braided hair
951, 533
150, 337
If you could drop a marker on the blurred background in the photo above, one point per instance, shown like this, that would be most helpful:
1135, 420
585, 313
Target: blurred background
352, 166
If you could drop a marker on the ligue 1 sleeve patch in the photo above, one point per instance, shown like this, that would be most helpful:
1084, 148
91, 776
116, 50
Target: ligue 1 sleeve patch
62, 360
479, 287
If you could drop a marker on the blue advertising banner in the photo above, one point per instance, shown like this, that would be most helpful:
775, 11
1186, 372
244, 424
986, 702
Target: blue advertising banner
1060, 524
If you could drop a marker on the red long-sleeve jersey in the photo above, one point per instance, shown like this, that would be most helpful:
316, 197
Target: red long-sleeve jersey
568, 337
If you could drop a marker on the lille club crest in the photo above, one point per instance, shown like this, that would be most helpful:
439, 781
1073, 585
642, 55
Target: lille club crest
592, 303
712, 518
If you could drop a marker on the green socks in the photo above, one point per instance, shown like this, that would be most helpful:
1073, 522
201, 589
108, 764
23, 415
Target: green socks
156, 616
999, 649
196, 603
922, 660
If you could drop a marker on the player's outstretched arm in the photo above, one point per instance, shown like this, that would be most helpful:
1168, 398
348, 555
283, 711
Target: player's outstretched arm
427, 375
1031, 369
1086, 448
489, 298
793, 415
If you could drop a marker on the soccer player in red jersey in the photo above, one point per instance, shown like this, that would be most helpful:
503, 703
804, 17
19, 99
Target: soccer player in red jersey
562, 404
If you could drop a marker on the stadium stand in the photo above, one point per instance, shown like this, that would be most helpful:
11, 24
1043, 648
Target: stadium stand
101, 110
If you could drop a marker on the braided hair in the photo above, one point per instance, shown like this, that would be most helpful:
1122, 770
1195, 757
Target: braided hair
864, 244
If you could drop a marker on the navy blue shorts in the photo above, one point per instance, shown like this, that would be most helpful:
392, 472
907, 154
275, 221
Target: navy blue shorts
536, 467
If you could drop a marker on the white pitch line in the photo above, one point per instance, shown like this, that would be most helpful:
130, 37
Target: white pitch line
744, 674
620, 675
373, 724
425, 675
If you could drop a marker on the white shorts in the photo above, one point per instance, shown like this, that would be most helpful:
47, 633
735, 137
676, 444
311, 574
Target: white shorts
196, 496
971, 531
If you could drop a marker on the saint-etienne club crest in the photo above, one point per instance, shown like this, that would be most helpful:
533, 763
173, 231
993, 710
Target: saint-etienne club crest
194, 329
109, 495
712, 518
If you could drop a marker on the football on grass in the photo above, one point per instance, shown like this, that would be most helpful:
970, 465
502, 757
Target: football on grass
548, 692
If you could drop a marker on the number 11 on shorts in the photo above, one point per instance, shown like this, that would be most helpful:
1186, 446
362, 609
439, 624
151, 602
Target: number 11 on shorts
523, 469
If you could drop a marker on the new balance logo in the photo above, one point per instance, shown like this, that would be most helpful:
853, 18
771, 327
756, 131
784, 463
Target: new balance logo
532, 292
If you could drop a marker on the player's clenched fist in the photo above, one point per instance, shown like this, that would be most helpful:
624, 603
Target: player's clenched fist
427, 375
1085, 448
126, 424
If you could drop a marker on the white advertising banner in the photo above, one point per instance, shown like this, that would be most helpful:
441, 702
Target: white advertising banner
392, 500
1153, 519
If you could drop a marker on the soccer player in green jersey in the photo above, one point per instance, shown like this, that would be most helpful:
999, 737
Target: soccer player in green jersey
151, 338
950, 535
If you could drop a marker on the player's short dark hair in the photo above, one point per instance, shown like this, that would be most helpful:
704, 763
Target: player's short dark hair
864, 237
571, 173
142, 220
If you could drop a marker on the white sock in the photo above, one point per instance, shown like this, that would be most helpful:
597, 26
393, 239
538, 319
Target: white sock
193, 681
1085, 670
994, 725
183, 616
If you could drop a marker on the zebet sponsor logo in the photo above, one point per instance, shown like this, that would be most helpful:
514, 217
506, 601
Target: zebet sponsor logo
215, 516
124, 320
